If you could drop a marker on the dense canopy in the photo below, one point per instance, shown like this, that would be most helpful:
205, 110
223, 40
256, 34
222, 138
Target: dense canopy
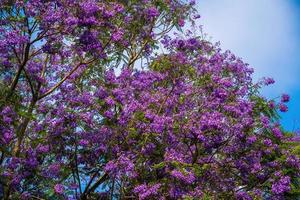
99, 100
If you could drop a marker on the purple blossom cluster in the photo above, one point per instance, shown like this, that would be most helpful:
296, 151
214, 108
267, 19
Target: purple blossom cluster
145, 192
281, 185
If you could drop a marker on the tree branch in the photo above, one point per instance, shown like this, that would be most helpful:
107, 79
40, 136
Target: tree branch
18, 74
64, 79
94, 187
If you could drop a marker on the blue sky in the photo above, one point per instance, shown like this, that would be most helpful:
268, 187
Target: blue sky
266, 34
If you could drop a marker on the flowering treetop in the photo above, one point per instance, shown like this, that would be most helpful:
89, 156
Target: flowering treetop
191, 125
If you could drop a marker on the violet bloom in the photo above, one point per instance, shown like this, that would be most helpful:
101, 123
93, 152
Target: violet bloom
285, 98
277, 132
251, 139
152, 13
83, 142
54, 169
282, 185
268, 81
8, 136
117, 35
109, 114
181, 22
272, 104
187, 178
242, 195
268, 142
144, 191
110, 101
283, 107
43, 148
59, 188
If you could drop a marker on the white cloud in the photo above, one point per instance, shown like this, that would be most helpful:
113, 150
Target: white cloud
262, 32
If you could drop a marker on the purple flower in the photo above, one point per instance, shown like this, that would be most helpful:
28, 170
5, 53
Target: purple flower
59, 189
268, 142
110, 76
265, 121
118, 8
110, 166
7, 110
272, 104
283, 107
268, 81
192, 2
277, 132
251, 139
8, 136
109, 114
117, 35
54, 169
83, 142
152, 12
144, 191
242, 195
282, 185
101, 93
181, 22
197, 16
7, 120
110, 101
256, 168
187, 177
89, 7
43, 148
285, 98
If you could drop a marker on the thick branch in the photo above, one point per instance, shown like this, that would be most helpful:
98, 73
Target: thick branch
94, 187
18, 74
63, 79
30, 83
22, 128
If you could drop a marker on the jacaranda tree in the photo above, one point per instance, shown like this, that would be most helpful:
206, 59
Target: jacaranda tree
98, 102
